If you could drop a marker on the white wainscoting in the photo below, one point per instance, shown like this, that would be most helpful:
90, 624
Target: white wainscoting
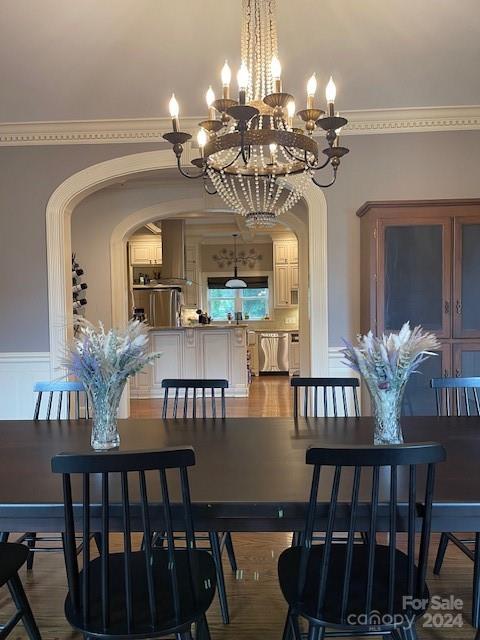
338, 369
20, 371
18, 374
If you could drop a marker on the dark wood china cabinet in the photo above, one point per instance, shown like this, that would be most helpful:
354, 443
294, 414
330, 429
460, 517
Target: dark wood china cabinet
420, 261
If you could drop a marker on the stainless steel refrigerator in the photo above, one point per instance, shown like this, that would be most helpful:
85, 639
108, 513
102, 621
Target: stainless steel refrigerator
161, 305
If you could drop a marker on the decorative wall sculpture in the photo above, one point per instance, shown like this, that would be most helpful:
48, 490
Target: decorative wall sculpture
246, 258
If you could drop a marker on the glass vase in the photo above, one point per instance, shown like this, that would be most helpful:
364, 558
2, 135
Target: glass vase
105, 403
386, 407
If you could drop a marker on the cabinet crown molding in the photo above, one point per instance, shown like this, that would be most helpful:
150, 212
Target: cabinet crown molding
397, 204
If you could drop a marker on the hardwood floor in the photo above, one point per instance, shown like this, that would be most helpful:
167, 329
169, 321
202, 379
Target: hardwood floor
256, 604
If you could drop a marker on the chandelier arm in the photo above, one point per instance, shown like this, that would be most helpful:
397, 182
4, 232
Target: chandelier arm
293, 156
187, 175
320, 166
325, 186
210, 193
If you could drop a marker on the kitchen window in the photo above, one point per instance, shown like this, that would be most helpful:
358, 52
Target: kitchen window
252, 301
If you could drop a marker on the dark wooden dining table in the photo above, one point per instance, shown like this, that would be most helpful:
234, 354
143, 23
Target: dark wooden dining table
250, 473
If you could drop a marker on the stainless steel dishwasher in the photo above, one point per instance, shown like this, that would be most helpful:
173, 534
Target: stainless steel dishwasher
273, 353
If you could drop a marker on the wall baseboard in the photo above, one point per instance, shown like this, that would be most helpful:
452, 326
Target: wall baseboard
18, 374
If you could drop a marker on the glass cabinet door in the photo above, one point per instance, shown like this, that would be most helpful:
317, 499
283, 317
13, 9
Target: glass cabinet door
466, 359
466, 311
414, 275
419, 398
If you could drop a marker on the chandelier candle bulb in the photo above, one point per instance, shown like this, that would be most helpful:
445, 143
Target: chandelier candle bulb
330, 94
242, 79
210, 98
174, 111
311, 89
226, 79
290, 113
202, 140
276, 71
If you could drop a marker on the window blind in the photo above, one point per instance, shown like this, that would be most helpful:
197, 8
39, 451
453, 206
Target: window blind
252, 282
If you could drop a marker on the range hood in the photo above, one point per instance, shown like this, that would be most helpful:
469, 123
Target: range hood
173, 253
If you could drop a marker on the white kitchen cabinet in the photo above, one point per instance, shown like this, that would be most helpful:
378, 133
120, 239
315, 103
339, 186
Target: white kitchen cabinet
294, 276
195, 352
282, 285
280, 252
293, 354
143, 252
286, 281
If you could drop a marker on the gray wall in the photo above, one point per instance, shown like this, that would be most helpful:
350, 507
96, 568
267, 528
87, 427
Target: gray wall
93, 222
28, 177
389, 166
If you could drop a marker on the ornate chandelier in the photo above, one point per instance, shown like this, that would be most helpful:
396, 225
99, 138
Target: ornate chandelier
250, 148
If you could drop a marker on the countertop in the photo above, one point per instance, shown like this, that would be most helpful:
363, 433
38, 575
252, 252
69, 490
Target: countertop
207, 327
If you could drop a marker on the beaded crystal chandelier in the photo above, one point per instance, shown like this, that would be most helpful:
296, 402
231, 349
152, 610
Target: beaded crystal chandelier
249, 148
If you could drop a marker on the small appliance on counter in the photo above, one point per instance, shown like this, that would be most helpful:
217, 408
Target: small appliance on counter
139, 314
203, 317
188, 316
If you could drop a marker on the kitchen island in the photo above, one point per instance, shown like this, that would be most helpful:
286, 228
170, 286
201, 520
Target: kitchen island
199, 351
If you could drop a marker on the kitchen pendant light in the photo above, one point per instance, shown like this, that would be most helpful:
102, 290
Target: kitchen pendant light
235, 282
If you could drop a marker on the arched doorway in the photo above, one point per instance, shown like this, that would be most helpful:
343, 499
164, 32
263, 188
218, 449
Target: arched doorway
313, 251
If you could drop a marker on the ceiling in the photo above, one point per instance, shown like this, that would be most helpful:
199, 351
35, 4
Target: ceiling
81, 60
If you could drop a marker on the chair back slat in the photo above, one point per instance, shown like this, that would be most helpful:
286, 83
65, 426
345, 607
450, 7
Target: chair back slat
60, 394
124, 469
357, 470
329, 537
59, 406
190, 391
392, 537
456, 396
372, 539
148, 548
334, 400
105, 568
127, 555
312, 386
426, 530
412, 492
86, 548
350, 542
71, 562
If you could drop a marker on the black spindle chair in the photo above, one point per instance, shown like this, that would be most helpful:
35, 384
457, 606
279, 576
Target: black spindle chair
333, 399
149, 593
197, 398
457, 397
65, 399
356, 588
12, 557
195, 387
64, 395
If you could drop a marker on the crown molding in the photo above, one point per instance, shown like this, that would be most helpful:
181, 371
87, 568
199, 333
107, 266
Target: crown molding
150, 130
